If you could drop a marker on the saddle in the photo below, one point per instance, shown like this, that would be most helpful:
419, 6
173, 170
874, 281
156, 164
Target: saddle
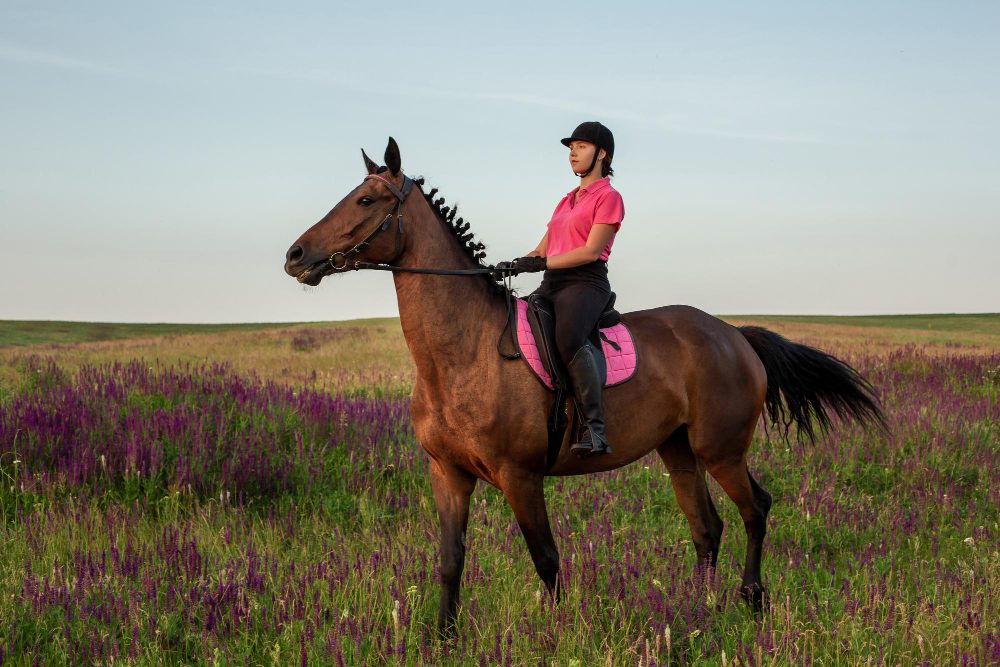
613, 348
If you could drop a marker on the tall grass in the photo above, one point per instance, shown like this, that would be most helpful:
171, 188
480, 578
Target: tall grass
196, 513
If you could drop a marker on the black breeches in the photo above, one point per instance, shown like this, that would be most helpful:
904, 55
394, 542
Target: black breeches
578, 295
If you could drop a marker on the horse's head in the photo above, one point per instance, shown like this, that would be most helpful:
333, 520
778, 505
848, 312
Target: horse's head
351, 221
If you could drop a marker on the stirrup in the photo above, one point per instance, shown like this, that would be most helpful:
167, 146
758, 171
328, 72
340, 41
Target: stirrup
585, 448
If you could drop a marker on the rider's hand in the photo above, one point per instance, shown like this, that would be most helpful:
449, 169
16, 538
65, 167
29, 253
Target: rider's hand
499, 274
528, 265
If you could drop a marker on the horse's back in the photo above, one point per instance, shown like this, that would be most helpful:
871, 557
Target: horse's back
686, 325
704, 348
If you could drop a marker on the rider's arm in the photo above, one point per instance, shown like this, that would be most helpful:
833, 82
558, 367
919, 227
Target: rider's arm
540, 250
597, 240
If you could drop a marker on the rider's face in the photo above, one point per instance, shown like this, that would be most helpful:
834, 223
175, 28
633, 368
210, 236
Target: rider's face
581, 154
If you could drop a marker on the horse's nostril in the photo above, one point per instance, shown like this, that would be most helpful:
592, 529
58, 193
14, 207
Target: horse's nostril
294, 253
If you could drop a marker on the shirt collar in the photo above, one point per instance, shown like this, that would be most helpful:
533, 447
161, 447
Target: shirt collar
593, 187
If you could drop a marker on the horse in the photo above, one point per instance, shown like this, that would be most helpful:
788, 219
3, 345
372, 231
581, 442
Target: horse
695, 399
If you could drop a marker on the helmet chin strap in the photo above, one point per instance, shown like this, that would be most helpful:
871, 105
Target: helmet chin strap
593, 163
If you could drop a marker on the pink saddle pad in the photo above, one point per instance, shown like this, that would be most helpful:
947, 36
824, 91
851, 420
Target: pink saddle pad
621, 363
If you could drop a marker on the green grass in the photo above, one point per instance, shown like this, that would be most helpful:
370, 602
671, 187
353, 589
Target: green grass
879, 551
985, 323
37, 332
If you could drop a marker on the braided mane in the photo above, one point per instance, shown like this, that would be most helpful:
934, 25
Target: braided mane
475, 250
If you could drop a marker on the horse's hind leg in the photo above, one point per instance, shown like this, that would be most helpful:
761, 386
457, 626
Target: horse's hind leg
725, 458
687, 474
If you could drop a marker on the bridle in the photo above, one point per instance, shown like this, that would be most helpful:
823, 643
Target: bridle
502, 268
505, 269
400, 198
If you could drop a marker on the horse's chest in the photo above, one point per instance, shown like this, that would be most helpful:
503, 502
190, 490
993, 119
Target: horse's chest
446, 425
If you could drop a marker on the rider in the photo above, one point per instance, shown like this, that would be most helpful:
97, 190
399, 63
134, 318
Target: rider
574, 255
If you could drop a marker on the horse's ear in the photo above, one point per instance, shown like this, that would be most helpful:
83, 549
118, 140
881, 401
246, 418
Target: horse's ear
369, 163
392, 156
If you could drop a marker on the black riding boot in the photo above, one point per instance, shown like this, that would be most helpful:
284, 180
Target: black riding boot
584, 373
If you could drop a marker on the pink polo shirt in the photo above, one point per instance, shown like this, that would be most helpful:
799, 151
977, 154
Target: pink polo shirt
570, 225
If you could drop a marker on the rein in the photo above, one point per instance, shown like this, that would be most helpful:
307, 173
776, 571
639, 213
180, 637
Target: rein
505, 269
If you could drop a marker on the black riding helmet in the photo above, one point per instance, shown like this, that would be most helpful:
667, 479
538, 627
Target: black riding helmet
596, 134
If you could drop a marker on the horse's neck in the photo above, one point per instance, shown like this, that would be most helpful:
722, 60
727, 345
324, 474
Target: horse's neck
447, 321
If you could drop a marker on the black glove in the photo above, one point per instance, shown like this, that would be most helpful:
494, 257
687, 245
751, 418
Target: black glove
528, 265
502, 270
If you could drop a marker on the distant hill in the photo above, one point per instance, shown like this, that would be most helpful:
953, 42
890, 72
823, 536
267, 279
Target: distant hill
984, 323
36, 332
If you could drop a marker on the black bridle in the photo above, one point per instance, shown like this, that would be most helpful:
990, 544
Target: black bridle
504, 269
400, 198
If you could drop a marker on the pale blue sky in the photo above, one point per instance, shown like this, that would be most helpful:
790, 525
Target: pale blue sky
156, 161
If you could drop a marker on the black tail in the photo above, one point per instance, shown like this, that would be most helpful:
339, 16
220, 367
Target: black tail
811, 382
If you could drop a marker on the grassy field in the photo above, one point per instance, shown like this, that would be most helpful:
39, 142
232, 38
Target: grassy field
257, 497
36, 332
984, 323
354, 355
974, 328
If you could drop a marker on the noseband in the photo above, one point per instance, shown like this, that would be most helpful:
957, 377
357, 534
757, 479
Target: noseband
400, 198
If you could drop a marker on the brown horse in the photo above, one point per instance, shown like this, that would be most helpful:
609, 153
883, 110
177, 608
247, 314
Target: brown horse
695, 398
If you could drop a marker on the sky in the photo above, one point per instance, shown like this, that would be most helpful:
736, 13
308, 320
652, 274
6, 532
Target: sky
158, 159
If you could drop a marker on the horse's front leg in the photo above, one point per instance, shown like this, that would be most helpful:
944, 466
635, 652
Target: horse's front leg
526, 496
452, 489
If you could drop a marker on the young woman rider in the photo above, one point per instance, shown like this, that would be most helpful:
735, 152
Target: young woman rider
574, 255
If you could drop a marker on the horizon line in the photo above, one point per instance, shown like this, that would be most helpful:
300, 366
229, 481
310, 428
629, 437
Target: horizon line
396, 317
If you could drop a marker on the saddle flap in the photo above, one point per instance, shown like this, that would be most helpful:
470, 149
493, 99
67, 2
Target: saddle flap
542, 321
609, 317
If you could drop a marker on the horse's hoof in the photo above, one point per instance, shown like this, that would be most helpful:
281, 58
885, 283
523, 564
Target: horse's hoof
757, 597
447, 630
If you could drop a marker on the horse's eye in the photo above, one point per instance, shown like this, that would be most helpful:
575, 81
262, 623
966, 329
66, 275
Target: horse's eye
365, 201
